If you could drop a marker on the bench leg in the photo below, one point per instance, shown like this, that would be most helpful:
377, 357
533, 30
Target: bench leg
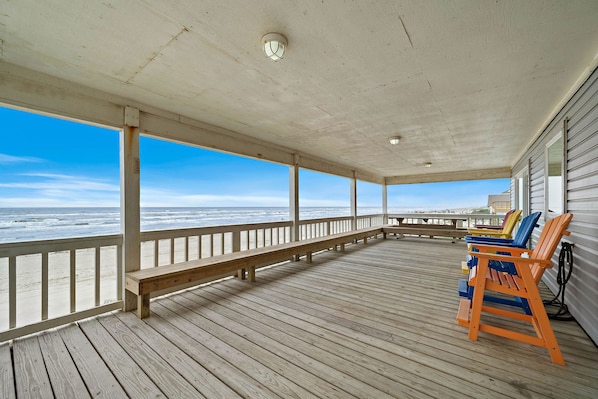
243, 273
143, 306
342, 247
252, 274
308, 257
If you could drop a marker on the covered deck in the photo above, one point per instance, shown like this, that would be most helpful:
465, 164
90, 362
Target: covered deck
375, 321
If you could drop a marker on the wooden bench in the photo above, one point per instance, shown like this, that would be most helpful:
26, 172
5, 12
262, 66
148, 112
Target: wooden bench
144, 282
425, 230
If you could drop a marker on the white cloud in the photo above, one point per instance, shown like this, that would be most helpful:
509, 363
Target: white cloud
325, 202
59, 190
157, 198
163, 198
62, 183
46, 202
10, 159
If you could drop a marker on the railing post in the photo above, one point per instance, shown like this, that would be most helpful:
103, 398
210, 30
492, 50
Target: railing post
12, 292
353, 202
129, 197
236, 241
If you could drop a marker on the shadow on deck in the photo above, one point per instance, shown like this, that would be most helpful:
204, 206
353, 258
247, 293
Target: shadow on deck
376, 321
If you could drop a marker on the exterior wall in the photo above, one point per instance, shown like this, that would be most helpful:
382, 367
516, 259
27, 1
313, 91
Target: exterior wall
581, 198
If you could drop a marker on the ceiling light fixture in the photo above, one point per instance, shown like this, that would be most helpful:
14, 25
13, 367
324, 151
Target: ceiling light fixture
428, 165
274, 45
394, 140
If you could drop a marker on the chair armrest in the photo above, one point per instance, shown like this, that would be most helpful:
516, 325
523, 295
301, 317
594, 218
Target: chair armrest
487, 233
515, 251
545, 263
488, 240
487, 226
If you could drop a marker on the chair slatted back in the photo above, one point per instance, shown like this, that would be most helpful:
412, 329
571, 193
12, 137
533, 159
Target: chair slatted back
525, 229
504, 221
511, 222
548, 241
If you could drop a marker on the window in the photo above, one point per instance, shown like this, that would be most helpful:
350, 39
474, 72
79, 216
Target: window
522, 190
554, 176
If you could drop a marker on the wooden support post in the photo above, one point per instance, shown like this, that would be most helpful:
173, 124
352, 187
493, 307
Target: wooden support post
129, 207
294, 200
308, 257
384, 204
252, 274
353, 202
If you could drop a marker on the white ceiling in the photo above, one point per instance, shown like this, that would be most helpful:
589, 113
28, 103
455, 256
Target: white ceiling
466, 84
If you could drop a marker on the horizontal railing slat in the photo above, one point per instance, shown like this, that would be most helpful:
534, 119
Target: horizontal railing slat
63, 244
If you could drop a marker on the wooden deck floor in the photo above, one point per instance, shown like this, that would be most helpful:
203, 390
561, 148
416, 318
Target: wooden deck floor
377, 321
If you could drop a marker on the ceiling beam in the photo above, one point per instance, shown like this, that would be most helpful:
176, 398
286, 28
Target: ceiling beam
482, 174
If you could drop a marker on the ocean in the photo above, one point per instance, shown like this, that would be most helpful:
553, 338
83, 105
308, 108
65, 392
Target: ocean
28, 224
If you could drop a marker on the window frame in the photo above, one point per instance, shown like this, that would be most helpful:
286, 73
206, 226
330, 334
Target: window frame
550, 213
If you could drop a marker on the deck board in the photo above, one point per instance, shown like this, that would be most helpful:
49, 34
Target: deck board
324, 373
275, 372
204, 381
130, 375
31, 378
98, 378
373, 321
7, 382
64, 377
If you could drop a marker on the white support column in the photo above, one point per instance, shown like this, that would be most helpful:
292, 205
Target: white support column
353, 202
384, 203
130, 213
294, 198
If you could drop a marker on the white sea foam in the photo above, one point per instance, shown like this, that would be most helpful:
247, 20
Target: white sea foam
26, 224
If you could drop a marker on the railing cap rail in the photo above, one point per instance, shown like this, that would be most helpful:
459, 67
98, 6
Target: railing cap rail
56, 245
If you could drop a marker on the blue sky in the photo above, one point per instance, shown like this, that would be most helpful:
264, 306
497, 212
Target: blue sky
49, 162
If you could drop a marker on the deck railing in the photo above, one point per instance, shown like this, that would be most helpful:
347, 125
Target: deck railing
314, 228
164, 247
44, 284
468, 220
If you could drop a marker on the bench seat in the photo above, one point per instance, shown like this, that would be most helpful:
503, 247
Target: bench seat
143, 282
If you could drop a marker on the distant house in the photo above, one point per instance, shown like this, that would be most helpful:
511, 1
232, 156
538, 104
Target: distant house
500, 203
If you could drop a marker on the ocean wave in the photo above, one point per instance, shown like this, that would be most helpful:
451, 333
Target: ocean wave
44, 223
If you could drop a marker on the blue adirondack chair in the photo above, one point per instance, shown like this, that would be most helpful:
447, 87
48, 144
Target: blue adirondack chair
519, 241
528, 224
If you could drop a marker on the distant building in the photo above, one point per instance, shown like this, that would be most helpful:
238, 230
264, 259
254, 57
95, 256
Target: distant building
500, 203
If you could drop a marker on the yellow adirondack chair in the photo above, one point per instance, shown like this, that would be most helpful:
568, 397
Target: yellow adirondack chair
504, 233
522, 284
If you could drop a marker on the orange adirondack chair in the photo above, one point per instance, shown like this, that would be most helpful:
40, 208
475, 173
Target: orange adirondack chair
523, 284
504, 233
